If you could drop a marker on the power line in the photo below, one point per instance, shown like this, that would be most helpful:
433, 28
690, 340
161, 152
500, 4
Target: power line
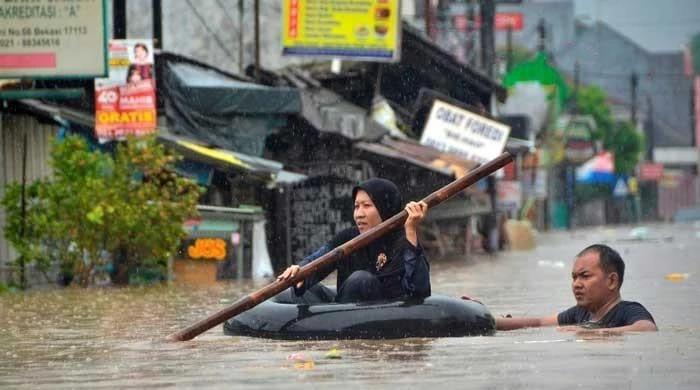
647, 75
213, 34
670, 23
218, 2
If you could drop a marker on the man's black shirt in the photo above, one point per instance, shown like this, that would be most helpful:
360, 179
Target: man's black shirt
623, 314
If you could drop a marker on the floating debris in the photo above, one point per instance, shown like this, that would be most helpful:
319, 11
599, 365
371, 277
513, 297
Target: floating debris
674, 277
308, 365
639, 233
552, 264
333, 354
301, 361
297, 356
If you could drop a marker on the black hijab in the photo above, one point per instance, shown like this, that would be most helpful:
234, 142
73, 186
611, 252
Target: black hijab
388, 200
384, 194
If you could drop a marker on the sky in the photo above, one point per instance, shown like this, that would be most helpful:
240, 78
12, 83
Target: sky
656, 25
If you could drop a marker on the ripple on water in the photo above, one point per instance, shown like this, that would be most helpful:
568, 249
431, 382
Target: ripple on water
114, 338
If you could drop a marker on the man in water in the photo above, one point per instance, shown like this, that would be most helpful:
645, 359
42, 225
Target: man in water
597, 276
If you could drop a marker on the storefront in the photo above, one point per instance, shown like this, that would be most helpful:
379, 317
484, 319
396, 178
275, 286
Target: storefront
223, 243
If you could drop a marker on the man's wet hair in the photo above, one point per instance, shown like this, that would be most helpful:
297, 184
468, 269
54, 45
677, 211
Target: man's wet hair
610, 260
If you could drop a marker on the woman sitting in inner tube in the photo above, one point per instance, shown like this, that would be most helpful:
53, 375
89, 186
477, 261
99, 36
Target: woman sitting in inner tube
390, 267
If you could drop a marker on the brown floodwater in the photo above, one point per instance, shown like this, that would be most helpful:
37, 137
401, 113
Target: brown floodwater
114, 338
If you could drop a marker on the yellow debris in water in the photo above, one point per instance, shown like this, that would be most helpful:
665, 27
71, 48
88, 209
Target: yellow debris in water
309, 365
676, 276
333, 354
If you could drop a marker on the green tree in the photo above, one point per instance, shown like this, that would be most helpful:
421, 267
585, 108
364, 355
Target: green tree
619, 137
132, 203
519, 54
626, 143
592, 100
147, 207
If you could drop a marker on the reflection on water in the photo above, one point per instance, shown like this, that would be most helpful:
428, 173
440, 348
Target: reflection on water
113, 338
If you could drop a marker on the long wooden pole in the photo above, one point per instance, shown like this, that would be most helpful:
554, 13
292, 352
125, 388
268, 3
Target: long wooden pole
274, 288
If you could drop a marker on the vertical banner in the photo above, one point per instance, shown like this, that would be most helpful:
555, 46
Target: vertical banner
125, 102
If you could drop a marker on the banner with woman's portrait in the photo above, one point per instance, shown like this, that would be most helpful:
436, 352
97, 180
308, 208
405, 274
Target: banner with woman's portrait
125, 102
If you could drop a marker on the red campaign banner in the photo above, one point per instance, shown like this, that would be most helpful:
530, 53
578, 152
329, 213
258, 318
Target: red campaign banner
125, 103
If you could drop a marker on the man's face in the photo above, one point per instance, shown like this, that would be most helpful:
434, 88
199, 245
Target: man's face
591, 285
366, 215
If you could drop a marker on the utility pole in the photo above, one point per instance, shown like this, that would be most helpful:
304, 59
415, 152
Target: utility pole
443, 17
257, 40
429, 20
23, 215
157, 24
470, 45
542, 34
650, 131
577, 83
119, 19
509, 47
240, 37
634, 82
488, 14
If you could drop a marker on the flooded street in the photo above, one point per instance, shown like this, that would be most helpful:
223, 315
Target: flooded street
103, 338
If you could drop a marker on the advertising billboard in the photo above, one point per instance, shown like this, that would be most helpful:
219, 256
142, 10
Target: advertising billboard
125, 102
45, 38
362, 30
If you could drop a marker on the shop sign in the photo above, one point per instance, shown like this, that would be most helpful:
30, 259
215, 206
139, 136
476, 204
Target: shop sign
461, 132
502, 21
651, 171
361, 30
509, 195
45, 38
207, 249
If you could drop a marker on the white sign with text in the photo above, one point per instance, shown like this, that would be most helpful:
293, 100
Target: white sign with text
51, 38
461, 132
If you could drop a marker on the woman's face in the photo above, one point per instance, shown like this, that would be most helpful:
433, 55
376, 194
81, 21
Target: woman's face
134, 77
140, 54
366, 215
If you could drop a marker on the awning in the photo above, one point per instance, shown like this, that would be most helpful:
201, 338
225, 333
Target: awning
419, 155
60, 114
217, 155
386, 151
224, 112
264, 169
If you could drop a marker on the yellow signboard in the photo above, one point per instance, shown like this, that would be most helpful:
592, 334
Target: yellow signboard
207, 248
359, 29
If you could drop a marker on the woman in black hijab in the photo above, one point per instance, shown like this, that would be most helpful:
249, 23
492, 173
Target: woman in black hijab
392, 266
